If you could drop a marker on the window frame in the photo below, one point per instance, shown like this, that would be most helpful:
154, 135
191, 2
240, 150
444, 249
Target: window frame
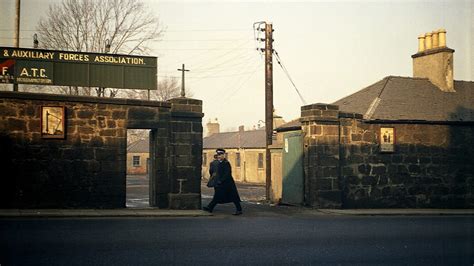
134, 164
237, 159
260, 159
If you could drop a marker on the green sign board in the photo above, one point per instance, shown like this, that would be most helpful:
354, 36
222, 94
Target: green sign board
65, 68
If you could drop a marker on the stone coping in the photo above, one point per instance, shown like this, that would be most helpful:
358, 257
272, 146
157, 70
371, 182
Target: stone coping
433, 51
83, 99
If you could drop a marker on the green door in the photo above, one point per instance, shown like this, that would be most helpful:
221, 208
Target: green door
293, 179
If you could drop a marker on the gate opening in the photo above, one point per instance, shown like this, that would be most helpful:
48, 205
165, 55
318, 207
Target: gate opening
138, 168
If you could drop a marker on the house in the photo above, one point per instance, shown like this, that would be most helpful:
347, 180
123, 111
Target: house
245, 150
402, 142
138, 157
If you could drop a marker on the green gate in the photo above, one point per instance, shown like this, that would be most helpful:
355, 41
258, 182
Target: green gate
293, 177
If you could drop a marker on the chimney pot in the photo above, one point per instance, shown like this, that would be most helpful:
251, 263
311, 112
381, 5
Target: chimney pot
442, 37
428, 41
435, 39
421, 43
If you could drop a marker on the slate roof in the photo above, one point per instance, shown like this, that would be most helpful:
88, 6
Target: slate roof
292, 125
139, 146
247, 139
405, 98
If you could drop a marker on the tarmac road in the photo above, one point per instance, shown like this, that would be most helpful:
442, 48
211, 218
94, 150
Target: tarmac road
263, 235
239, 240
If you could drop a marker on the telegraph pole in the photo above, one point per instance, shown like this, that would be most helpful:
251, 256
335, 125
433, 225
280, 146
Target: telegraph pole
268, 104
183, 92
17, 33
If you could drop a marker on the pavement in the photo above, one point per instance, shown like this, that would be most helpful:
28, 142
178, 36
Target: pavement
154, 212
125, 212
253, 202
385, 212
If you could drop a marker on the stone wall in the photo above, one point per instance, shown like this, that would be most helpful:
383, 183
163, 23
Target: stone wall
431, 167
87, 168
186, 153
321, 155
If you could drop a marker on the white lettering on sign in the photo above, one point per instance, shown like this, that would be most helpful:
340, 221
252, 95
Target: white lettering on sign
33, 72
24, 72
4, 71
30, 54
119, 60
73, 57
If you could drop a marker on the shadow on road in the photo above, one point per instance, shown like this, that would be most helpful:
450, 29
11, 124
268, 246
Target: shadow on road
138, 189
253, 199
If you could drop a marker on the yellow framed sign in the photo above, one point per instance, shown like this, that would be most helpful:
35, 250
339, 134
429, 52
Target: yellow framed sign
53, 122
387, 139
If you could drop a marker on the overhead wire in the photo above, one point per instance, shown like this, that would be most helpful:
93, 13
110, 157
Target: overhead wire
237, 60
229, 71
219, 56
242, 84
246, 65
201, 40
277, 57
186, 30
203, 55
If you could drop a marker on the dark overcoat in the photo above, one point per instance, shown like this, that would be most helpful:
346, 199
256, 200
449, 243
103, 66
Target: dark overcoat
225, 191
213, 167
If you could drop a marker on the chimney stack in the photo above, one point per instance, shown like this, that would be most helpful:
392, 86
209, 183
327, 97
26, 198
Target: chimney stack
212, 127
434, 60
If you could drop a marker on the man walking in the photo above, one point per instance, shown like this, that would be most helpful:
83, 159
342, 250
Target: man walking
225, 190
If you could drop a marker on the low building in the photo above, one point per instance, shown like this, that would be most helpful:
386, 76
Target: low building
138, 157
245, 151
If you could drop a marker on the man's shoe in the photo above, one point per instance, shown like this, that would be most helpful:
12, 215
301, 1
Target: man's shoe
237, 213
207, 209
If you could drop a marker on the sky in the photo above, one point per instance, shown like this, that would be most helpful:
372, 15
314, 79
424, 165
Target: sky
331, 49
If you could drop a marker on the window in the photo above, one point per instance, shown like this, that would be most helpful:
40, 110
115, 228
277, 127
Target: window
260, 160
136, 160
237, 159
204, 159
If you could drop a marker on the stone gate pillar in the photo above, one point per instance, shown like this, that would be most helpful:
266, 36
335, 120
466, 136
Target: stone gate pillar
186, 153
320, 124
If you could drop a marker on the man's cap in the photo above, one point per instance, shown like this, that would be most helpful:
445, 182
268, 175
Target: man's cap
220, 151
